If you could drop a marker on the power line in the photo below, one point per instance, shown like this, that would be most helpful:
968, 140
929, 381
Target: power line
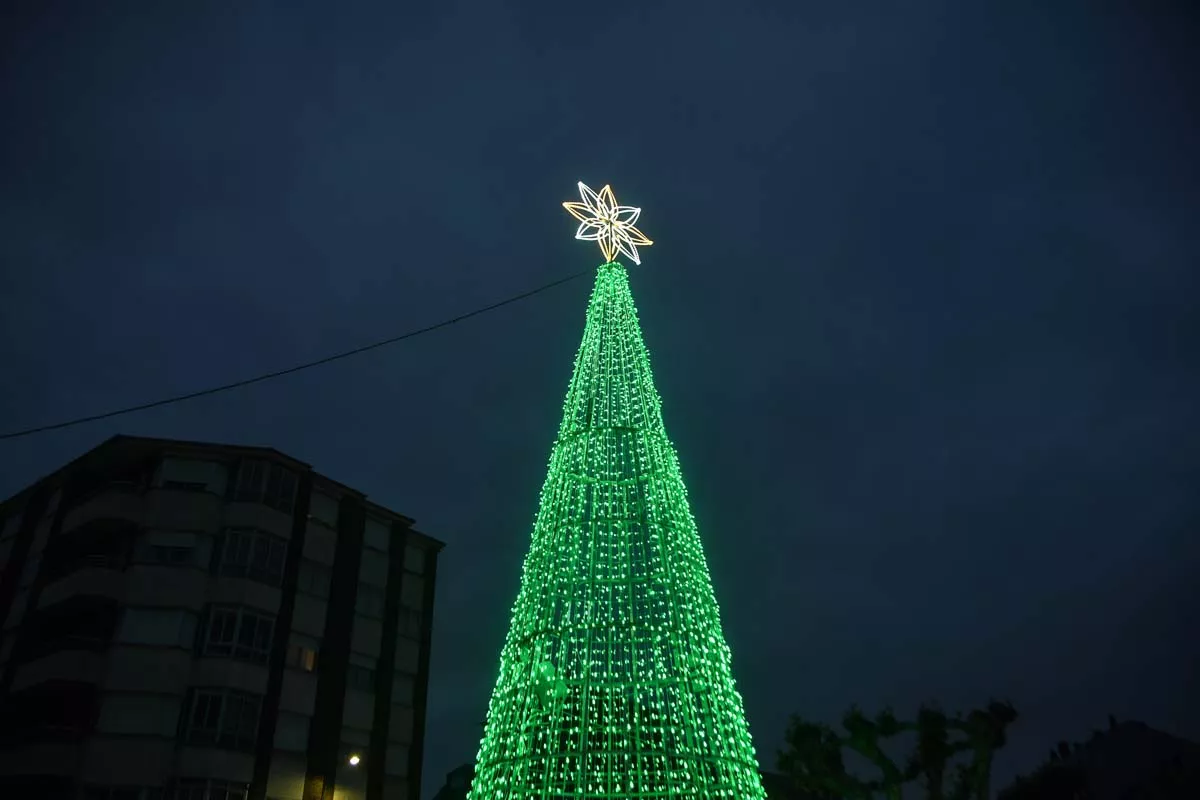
279, 373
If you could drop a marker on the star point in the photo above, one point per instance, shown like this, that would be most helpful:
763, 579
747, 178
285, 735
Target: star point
608, 224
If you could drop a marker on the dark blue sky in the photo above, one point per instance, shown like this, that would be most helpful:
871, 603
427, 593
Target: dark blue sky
921, 307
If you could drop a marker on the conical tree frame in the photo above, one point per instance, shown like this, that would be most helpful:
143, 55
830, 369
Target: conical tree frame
615, 678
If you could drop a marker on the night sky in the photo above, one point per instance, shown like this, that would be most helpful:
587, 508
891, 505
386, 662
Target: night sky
921, 307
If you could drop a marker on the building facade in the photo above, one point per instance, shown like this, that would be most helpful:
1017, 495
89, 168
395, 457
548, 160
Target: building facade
187, 621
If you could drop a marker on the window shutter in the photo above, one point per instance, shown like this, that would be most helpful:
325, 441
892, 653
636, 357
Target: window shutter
235, 477
201, 631
185, 711
288, 492
277, 631
129, 540
273, 494
218, 548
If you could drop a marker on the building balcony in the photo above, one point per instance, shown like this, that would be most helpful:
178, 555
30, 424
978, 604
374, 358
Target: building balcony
48, 713
128, 760
76, 666
38, 648
137, 668
182, 509
78, 623
211, 762
229, 673
97, 577
41, 758
119, 501
243, 591
260, 516
166, 587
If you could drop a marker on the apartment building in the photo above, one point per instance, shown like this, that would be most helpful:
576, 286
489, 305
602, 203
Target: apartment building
189, 621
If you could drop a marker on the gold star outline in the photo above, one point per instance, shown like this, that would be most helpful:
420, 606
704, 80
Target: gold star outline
606, 223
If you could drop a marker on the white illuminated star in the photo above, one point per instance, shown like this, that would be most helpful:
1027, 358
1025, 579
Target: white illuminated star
608, 224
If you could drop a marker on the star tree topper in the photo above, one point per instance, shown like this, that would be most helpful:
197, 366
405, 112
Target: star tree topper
606, 223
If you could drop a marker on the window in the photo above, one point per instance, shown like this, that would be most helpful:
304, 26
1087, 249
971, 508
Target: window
396, 760
369, 601
323, 509
291, 732
192, 476
80, 623
239, 633
122, 793
360, 673
29, 571
410, 623
138, 714
412, 592
406, 654
173, 548
268, 483
203, 789
402, 689
354, 739
53, 711
414, 559
376, 534
185, 486
157, 626
302, 652
223, 718
400, 726
253, 554
98, 544
52, 506
360, 678
175, 556
373, 568
313, 578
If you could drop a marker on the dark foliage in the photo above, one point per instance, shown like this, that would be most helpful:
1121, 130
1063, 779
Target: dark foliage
813, 753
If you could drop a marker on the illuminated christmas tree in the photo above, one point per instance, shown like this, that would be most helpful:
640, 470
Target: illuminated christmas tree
615, 677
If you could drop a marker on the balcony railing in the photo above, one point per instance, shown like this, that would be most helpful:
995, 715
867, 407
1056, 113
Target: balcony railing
45, 647
117, 500
56, 570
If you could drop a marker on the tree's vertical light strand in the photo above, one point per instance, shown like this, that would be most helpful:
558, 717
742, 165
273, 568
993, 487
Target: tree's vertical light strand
615, 679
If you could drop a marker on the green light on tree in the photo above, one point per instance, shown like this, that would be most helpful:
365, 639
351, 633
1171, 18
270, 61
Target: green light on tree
615, 677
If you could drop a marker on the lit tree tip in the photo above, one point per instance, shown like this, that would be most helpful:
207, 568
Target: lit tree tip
603, 221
